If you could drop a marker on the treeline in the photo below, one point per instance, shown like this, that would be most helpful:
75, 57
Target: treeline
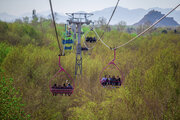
29, 55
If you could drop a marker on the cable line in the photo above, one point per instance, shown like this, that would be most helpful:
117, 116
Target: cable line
140, 33
99, 38
110, 17
113, 12
55, 27
148, 28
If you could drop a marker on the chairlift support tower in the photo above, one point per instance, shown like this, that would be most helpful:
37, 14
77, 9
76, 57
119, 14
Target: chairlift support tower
76, 20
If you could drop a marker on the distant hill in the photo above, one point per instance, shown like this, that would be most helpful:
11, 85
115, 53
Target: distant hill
153, 16
130, 16
7, 17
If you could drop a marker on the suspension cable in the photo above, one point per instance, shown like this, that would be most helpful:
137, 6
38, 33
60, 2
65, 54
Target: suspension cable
139, 33
55, 27
113, 12
101, 39
148, 28
110, 18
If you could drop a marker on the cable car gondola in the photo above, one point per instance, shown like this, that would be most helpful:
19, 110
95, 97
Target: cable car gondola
67, 40
111, 78
90, 39
59, 79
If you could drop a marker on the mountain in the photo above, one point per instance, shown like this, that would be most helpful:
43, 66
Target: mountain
153, 16
121, 14
60, 17
131, 16
175, 14
7, 17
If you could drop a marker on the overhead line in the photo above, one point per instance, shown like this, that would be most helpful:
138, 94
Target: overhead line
55, 27
110, 17
141, 32
148, 27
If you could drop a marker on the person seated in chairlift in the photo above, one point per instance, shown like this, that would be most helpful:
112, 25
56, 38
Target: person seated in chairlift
69, 32
113, 81
109, 80
69, 86
59, 87
67, 82
87, 39
118, 81
54, 86
94, 39
91, 39
103, 80
64, 86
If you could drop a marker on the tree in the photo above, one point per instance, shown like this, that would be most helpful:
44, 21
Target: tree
144, 26
121, 26
10, 101
3, 30
19, 21
26, 20
101, 22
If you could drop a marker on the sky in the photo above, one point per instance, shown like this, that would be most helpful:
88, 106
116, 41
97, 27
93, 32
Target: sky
19, 7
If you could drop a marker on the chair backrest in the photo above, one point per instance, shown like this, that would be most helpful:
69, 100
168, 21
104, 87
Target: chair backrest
67, 41
68, 48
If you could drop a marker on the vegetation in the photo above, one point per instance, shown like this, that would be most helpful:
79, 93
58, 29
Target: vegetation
29, 55
10, 101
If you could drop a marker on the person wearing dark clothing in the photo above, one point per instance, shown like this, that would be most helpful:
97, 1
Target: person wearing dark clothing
103, 81
118, 81
109, 80
113, 81
64, 86
59, 87
94, 39
54, 86
69, 86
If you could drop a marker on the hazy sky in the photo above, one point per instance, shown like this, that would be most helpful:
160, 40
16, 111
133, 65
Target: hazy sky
18, 7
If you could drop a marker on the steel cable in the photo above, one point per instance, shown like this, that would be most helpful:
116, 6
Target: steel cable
55, 27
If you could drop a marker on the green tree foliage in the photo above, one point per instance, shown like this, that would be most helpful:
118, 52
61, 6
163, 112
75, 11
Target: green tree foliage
29, 54
24, 34
11, 107
4, 50
3, 30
